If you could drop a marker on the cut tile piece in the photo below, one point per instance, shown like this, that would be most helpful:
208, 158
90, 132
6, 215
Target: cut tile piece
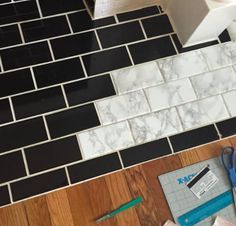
224, 36
184, 65
194, 138
38, 184
106, 139
94, 167
230, 98
52, 154
5, 111
146, 51
4, 196
105, 61
155, 125
220, 55
214, 82
122, 107
72, 120
202, 112
89, 90
227, 127
145, 152
137, 77
170, 94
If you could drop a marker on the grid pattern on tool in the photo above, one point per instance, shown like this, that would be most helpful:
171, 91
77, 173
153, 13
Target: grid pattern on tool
181, 200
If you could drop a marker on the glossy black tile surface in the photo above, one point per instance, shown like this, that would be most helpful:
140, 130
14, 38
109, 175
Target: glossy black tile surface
72, 120
4, 196
94, 167
181, 49
158, 25
224, 36
194, 138
58, 72
120, 34
17, 12
138, 13
38, 102
227, 127
38, 184
15, 82
52, 154
4, 1
74, 44
12, 165
89, 89
151, 50
9, 35
45, 28
145, 152
5, 111
25, 55
88, 23
105, 61
24, 133
51, 7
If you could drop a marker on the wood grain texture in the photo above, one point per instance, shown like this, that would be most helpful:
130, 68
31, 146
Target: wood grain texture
82, 204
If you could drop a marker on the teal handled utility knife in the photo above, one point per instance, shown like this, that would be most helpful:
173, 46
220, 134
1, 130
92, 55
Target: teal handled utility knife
120, 209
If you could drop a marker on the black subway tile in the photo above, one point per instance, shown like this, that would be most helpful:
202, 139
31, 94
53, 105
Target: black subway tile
52, 154
194, 138
227, 127
105, 61
15, 82
74, 44
4, 1
5, 111
4, 196
45, 28
72, 120
22, 133
152, 49
224, 36
145, 152
94, 167
81, 21
58, 72
9, 35
51, 7
11, 166
89, 89
38, 102
138, 13
26, 55
120, 34
38, 184
19, 11
156, 26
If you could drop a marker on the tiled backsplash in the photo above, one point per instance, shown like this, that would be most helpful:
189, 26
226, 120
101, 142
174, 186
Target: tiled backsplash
74, 105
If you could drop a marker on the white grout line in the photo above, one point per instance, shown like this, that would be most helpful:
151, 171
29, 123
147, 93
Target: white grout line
50, 49
65, 97
69, 24
83, 67
121, 161
130, 57
21, 33
68, 176
98, 40
143, 30
46, 127
25, 162
33, 78
173, 43
1, 65
80, 147
170, 144
39, 9
12, 109
116, 19
10, 193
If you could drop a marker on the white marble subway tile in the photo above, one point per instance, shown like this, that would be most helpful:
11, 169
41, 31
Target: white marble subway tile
214, 82
218, 56
137, 77
155, 125
183, 65
122, 107
170, 94
103, 140
202, 112
230, 101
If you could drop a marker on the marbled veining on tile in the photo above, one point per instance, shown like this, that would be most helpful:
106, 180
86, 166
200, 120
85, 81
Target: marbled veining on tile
214, 82
101, 141
220, 55
170, 94
137, 77
202, 112
155, 125
230, 101
122, 107
184, 65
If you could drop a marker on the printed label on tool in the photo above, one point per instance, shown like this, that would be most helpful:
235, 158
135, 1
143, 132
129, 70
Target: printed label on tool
202, 182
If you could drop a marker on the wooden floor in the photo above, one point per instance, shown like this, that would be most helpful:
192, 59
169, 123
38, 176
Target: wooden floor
80, 205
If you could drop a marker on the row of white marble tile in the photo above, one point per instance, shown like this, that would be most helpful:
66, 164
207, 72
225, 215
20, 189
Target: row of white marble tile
163, 98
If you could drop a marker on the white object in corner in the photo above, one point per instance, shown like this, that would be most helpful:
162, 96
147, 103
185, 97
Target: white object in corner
197, 21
